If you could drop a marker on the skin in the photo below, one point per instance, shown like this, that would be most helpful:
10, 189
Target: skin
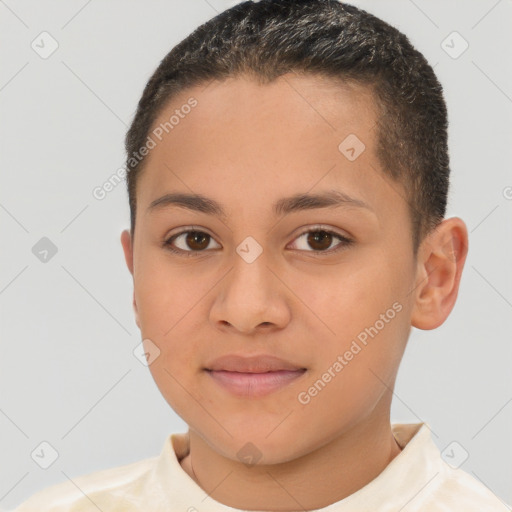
246, 146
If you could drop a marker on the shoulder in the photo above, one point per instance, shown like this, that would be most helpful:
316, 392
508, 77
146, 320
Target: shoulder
430, 483
115, 488
456, 489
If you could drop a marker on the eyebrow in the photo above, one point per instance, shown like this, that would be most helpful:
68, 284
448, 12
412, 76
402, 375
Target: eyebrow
285, 205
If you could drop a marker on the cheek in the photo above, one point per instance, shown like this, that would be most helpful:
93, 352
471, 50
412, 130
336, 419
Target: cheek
359, 311
164, 295
343, 300
167, 308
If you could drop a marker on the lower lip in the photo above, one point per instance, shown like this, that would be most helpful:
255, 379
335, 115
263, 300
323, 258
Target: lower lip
254, 384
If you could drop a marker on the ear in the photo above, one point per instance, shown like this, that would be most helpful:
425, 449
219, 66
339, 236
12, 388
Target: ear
126, 242
441, 258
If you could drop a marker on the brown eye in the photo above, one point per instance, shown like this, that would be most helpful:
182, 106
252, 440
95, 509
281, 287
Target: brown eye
319, 240
189, 242
197, 240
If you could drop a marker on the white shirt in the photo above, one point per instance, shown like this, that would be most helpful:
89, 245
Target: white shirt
417, 479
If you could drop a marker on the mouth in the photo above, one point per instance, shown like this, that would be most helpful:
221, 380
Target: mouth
254, 376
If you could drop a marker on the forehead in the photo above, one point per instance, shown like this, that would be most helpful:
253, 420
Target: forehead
242, 107
260, 140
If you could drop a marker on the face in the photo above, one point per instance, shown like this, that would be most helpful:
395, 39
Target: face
326, 289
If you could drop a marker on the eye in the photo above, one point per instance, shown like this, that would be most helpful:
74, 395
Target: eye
197, 241
194, 241
321, 240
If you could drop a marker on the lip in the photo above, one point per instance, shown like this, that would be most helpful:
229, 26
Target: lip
254, 385
253, 376
251, 364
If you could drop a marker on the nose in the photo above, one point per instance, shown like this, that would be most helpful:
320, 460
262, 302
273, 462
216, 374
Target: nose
251, 298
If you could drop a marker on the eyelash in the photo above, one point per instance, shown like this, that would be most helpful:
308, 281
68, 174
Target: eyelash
344, 242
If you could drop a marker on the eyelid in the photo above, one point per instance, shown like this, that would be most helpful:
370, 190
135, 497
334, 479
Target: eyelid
323, 227
186, 229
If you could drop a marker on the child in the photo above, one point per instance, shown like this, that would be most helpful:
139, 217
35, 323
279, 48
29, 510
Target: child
272, 129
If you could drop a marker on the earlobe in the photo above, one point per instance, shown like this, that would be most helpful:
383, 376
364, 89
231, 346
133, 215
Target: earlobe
126, 242
441, 259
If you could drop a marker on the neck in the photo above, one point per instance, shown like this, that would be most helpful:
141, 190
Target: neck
348, 462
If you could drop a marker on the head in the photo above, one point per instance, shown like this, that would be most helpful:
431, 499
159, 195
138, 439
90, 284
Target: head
275, 100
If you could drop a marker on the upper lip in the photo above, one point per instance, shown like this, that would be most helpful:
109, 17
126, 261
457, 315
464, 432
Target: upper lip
251, 364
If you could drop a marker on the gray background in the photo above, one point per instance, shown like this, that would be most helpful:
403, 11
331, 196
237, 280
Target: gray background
67, 372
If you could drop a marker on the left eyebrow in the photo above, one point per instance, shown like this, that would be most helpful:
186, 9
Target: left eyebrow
285, 205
